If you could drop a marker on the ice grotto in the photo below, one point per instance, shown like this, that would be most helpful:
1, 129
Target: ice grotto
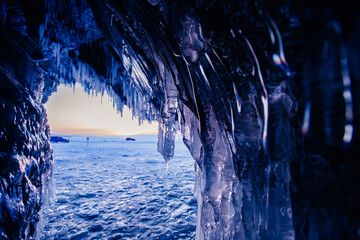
265, 93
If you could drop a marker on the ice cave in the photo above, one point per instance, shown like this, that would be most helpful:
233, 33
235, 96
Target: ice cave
265, 93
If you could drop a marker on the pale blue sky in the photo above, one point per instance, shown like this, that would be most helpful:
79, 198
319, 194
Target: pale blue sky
76, 112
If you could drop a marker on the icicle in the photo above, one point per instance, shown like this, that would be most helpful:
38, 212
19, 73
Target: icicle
237, 97
228, 101
166, 139
264, 95
349, 117
206, 81
194, 94
57, 55
306, 121
279, 56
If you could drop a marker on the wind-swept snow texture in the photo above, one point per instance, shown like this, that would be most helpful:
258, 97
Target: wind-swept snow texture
265, 93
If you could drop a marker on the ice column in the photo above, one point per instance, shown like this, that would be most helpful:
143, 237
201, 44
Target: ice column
216, 181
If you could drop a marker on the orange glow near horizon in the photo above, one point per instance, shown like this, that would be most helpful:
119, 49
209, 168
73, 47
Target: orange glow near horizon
74, 112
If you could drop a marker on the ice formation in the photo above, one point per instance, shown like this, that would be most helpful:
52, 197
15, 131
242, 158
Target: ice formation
266, 95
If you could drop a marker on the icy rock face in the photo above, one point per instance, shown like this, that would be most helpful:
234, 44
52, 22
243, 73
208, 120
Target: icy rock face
265, 94
25, 156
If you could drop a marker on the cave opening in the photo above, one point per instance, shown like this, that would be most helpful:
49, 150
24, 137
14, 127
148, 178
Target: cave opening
266, 95
78, 110
107, 187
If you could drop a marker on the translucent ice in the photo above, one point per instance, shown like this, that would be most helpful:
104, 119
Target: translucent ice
266, 131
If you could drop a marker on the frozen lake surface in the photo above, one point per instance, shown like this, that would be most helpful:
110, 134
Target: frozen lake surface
110, 188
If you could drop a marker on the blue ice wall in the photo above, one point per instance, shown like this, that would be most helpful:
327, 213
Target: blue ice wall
266, 95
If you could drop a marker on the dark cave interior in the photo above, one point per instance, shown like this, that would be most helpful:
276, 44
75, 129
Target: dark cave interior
266, 95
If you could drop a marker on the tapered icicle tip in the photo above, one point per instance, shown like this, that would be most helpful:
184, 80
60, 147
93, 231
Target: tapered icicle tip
306, 122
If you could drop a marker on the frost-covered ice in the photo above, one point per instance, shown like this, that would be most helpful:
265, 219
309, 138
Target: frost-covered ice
108, 188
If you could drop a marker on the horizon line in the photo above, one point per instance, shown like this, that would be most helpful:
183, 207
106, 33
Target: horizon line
99, 135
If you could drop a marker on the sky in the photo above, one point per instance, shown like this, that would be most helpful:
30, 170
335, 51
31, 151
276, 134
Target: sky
74, 112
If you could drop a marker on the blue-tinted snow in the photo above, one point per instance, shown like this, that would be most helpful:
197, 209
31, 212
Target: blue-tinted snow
109, 188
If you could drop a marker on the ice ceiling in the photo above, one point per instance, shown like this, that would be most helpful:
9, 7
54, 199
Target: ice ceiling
265, 93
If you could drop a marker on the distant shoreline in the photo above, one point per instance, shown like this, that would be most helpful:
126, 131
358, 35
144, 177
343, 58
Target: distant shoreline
82, 135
